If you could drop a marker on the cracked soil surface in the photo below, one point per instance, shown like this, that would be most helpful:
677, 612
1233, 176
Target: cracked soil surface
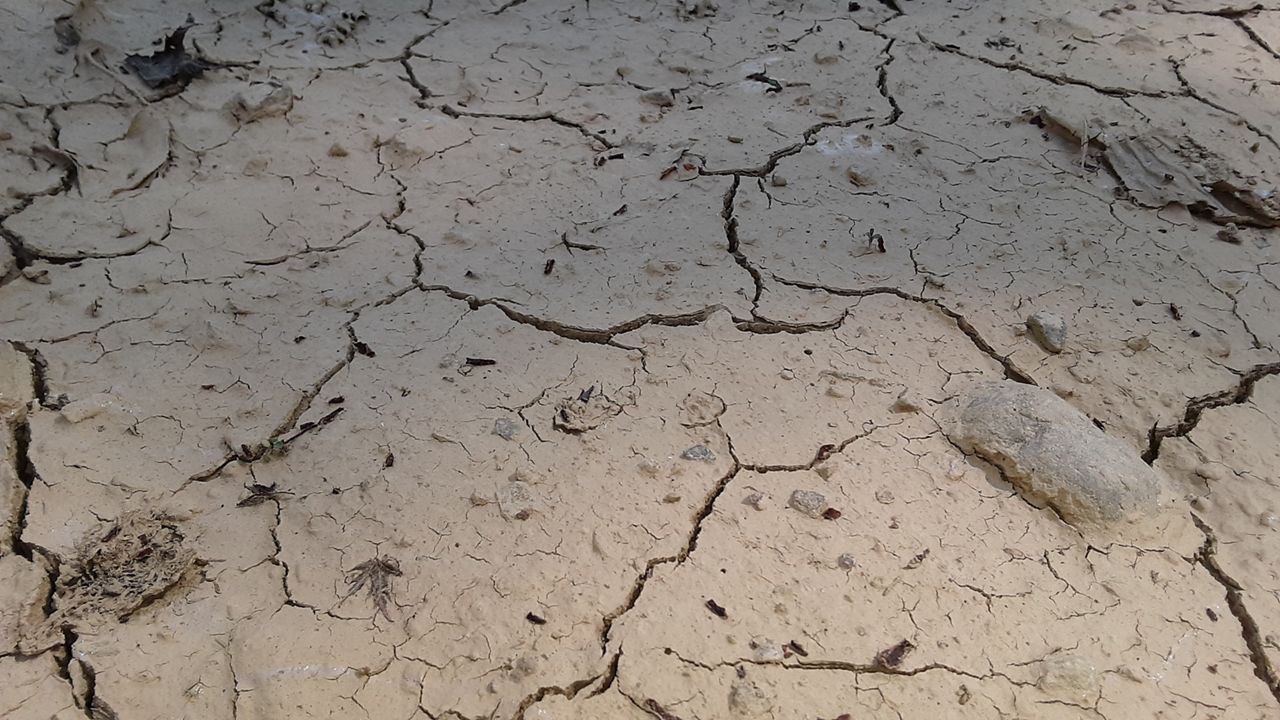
467, 359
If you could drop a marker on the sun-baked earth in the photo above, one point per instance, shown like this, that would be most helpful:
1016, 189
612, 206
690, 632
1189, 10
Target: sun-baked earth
466, 359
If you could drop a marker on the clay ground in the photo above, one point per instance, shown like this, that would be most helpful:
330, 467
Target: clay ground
459, 359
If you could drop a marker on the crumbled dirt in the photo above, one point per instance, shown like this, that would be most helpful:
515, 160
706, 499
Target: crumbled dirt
465, 359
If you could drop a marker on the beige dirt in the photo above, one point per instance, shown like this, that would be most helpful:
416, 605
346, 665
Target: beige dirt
468, 359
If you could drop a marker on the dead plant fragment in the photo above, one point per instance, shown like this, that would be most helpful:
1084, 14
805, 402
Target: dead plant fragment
374, 577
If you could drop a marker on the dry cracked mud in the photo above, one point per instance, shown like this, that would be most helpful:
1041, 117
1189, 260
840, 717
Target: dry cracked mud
469, 359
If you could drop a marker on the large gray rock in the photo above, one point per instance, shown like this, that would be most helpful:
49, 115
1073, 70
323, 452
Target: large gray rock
1054, 455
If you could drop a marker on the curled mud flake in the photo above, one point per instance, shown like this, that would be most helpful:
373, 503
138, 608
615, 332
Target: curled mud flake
1070, 678
1138, 343
85, 408
261, 100
796, 648
374, 577
586, 412
891, 658
765, 650
747, 699
116, 570
1156, 172
516, 500
170, 66
24, 588
700, 408
1229, 234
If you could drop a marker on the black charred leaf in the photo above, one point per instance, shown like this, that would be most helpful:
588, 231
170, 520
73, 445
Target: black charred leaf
915, 561
66, 33
654, 708
536, 619
717, 609
170, 66
893, 657
774, 85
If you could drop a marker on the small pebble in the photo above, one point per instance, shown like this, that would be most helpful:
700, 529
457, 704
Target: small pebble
505, 429
778, 180
884, 496
659, 97
700, 453
846, 561
39, 276
754, 500
808, 502
1049, 330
